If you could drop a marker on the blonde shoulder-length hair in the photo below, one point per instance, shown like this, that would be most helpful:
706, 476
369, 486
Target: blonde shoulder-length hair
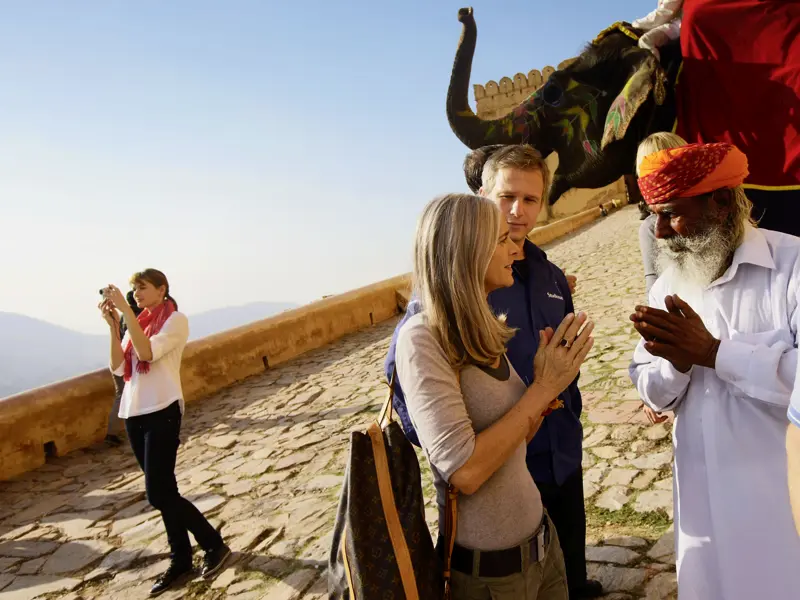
457, 235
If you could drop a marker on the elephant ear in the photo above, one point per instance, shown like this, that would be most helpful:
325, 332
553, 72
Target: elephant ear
648, 77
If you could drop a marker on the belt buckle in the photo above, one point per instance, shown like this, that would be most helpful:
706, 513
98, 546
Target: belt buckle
540, 546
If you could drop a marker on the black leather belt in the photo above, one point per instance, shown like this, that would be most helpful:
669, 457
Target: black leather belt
501, 563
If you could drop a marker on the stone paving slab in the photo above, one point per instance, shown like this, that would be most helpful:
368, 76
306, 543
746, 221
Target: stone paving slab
264, 460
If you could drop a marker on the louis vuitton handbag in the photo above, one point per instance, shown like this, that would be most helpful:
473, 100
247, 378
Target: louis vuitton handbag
381, 547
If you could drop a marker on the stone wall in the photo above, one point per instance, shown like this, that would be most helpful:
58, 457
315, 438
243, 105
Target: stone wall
495, 100
72, 414
562, 227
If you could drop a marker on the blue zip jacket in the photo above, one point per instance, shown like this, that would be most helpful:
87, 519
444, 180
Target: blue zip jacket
539, 298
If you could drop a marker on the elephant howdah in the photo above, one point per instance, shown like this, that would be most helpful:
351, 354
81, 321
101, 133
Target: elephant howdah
593, 113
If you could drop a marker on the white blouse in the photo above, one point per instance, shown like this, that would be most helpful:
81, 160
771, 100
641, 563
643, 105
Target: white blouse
155, 390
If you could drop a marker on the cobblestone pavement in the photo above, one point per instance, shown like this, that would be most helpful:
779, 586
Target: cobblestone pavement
265, 459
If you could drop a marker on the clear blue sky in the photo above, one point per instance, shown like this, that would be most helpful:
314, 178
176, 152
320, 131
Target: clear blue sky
251, 150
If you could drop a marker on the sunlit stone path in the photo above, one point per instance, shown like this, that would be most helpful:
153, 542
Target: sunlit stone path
264, 460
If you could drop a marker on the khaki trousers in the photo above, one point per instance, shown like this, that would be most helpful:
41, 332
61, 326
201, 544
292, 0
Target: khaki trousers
542, 580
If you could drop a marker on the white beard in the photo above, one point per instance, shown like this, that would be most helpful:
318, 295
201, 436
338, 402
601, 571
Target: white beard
691, 291
691, 264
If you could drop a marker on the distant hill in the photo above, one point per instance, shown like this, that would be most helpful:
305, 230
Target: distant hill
34, 353
222, 319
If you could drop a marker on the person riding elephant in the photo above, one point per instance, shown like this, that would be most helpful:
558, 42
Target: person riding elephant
613, 94
706, 87
663, 25
740, 84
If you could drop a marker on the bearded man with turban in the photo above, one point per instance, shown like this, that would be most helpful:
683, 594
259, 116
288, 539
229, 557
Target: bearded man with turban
719, 349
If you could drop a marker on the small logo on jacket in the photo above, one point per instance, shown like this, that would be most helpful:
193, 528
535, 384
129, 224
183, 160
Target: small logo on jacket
554, 296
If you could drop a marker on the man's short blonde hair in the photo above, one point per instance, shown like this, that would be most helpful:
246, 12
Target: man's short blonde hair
517, 156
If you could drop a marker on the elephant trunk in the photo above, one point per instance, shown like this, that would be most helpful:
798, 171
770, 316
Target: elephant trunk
471, 130
558, 188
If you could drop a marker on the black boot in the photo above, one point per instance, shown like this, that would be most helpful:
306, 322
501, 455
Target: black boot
175, 571
113, 440
214, 560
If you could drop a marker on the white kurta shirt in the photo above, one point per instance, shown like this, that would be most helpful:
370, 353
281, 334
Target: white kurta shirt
149, 392
735, 538
794, 407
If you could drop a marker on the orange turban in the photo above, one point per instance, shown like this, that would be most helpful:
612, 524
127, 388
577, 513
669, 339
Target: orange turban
691, 170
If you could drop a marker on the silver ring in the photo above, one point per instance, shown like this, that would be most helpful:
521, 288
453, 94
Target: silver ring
565, 343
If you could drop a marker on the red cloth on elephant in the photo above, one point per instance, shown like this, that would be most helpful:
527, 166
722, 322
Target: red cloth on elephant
740, 82
690, 170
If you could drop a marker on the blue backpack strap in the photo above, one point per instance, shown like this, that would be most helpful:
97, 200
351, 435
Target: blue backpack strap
400, 408
389, 369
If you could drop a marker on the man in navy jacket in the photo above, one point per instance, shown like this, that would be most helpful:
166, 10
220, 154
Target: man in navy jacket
515, 177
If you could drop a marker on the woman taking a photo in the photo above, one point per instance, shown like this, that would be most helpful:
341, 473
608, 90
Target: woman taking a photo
114, 422
148, 357
472, 412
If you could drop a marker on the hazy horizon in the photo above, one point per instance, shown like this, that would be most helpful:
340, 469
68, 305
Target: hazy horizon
101, 333
69, 353
253, 151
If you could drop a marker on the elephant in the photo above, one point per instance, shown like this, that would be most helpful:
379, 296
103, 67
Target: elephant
596, 110
593, 113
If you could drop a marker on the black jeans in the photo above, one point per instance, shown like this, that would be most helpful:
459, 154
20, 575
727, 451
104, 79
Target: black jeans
155, 439
564, 504
114, 422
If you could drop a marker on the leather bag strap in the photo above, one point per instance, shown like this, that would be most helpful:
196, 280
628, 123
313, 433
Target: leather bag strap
387, 410
450, 522
450, 525
451, 501
396, 535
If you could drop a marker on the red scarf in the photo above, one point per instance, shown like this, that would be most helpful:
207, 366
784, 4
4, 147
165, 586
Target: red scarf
151, 322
